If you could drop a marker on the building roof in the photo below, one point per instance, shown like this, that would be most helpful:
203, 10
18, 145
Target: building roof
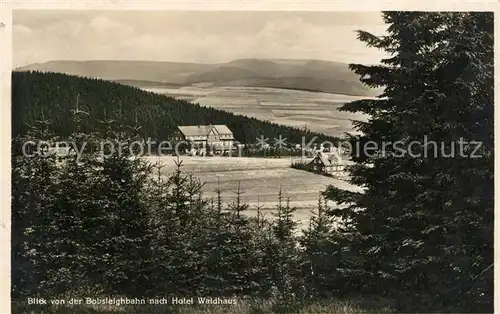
328, 159
222, 129
203, 130
195, 130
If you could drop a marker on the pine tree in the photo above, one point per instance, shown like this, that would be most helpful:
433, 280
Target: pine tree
164, 231
87, 228
33, 183
184, 260
120, 182
284, 225
422, 229
242, 261
282, 254
218, 237
319, 254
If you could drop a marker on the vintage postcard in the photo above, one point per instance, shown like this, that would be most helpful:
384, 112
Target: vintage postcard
248, 157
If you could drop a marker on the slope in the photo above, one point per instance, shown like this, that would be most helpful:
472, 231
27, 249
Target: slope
53, 96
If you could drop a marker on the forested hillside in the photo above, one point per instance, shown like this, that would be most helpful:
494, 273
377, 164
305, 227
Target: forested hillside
54, 96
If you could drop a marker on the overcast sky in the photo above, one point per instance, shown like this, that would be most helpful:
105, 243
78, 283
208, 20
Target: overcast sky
188, 36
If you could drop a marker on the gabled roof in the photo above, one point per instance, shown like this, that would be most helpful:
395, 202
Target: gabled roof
204, 130
222, 129
195, 130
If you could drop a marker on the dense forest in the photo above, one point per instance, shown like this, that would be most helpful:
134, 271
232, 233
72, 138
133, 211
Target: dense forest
54, 96
418, 239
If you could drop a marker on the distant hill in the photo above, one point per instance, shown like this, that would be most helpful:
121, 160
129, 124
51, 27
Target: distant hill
310, 75
54, 95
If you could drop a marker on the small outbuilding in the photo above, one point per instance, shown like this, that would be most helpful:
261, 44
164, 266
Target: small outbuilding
326, 163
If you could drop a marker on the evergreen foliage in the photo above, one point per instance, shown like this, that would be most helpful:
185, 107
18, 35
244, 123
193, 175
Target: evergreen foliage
423, 228
150, 115
116, 225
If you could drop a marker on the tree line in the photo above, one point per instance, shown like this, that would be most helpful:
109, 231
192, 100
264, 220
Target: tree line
56, 96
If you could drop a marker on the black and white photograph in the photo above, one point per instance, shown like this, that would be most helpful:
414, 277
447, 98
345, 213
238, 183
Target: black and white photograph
251, 161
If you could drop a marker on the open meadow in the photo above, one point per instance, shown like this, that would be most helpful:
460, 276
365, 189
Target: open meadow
315, 110
260, 180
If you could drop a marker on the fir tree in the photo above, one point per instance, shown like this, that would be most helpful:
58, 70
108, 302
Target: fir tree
319, 254
282, 253
422, 229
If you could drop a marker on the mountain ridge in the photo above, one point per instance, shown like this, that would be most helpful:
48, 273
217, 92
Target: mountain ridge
316, 75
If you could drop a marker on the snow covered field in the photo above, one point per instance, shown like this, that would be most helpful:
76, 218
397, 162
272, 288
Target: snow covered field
260, 180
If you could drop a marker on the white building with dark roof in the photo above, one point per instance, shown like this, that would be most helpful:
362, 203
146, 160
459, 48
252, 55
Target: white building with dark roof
216, 137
